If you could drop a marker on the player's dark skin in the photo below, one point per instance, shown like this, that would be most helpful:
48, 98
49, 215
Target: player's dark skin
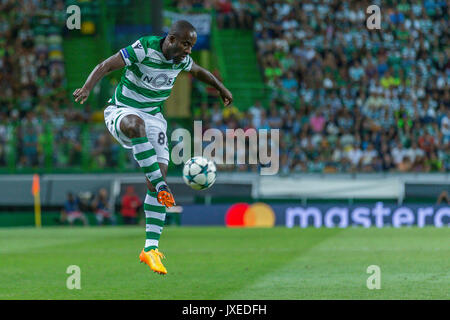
175, 46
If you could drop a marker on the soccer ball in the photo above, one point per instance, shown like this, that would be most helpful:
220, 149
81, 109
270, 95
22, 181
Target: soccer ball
199, 173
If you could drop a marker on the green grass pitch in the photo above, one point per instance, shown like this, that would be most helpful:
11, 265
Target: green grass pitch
220, 263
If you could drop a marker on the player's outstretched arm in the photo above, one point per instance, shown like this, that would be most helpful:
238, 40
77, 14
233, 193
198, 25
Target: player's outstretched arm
208, 78
112, 63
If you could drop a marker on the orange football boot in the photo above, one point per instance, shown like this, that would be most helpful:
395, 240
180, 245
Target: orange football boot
165, 197
152, 259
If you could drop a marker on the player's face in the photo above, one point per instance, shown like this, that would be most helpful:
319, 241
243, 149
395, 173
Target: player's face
182, 46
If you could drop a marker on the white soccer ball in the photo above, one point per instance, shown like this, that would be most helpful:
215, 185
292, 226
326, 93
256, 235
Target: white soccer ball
199, 173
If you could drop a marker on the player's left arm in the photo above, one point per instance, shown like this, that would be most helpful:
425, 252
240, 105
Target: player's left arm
207, 77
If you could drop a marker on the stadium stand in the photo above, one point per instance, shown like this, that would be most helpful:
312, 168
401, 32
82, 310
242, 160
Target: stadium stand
346, 99
40, 127
32, 73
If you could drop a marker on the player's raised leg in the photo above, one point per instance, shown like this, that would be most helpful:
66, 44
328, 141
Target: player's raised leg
144, 153
158, 195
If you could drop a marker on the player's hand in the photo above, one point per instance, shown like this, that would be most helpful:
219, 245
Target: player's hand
81, 95
227, 97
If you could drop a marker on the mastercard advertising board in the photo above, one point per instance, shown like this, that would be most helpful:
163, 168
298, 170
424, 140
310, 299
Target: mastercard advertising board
250, 215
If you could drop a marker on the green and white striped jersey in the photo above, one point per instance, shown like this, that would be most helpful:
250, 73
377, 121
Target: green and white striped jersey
149, 77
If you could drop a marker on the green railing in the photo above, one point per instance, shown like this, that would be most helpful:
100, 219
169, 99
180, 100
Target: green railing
71, 147
217, 49
58, 146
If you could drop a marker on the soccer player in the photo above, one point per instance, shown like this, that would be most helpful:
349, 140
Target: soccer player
134, 115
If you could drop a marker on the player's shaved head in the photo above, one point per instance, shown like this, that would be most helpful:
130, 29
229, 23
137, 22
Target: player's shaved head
179, 42
180, 28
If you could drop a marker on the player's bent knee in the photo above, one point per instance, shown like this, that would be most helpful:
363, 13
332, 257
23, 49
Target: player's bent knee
132, 126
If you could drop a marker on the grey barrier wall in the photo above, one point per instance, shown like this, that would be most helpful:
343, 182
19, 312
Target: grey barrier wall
432, 190
331, 215
16, 189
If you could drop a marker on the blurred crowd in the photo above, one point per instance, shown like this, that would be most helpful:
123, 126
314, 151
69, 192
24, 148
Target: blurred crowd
31, 75
31, 54
68, 138
229, 13
39, 124
192, 5
347, 98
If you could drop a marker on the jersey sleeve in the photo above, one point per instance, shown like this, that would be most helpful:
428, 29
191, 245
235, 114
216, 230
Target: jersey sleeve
188, 64
134, 53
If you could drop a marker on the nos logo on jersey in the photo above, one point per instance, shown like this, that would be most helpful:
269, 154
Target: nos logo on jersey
159, 81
